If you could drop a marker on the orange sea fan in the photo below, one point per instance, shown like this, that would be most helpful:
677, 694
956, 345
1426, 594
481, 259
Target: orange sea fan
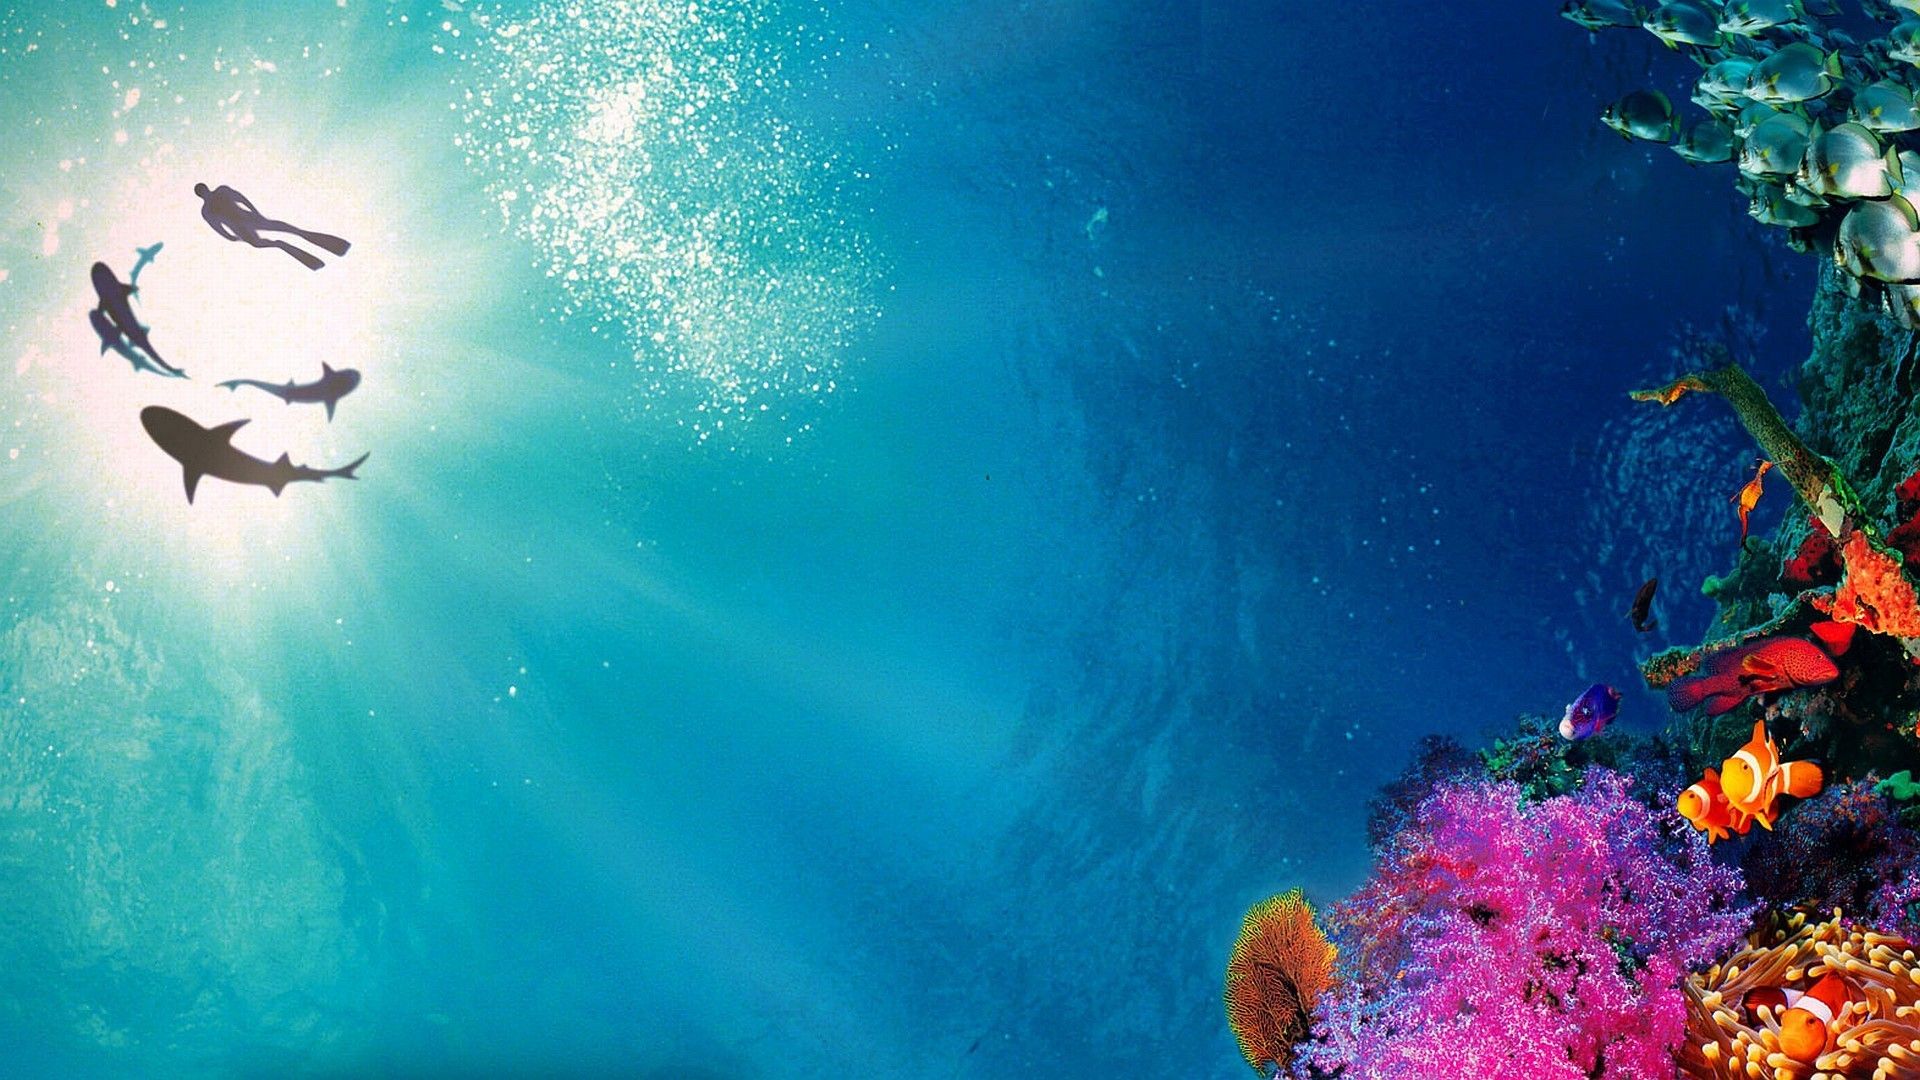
1280, 966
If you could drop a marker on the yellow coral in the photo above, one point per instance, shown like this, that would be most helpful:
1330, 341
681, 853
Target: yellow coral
1280, 966
1876, 1035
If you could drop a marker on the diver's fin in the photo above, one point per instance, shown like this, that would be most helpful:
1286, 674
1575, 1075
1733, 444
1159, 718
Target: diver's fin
225, 431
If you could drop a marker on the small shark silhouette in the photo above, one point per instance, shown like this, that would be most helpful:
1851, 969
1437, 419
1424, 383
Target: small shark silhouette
331, 387
146, 256
210, 452
116, 321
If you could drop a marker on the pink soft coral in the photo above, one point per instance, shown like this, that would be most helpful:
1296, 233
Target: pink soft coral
1501, 938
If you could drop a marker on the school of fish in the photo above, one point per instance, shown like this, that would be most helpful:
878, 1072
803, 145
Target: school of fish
1815, 108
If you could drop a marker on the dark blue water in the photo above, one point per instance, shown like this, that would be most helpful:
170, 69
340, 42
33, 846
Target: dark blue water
1246, 400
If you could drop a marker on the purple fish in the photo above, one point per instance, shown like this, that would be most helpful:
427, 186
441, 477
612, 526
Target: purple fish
1590, 712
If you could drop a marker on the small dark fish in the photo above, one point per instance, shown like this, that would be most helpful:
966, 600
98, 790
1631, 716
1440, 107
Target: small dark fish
1643, 607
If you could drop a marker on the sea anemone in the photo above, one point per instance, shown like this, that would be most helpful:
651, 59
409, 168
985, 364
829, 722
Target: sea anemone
1280, 966
1871, 1036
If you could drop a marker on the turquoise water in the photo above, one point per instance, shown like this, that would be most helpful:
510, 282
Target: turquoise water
887, 526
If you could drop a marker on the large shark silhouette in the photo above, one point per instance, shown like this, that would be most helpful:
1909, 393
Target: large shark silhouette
113, 320
331, 387
210, 452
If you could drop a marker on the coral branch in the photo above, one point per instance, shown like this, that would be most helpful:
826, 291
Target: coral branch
1813, 477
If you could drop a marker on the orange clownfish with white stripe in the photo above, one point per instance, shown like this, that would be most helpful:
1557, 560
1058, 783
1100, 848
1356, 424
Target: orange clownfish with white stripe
1754, 778
1705, 806
1806, 1018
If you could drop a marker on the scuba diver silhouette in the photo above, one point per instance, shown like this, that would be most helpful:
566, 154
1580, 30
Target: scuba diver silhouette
234, 217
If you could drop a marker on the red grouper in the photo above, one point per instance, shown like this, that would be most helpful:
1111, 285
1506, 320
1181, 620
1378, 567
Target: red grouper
1770, 665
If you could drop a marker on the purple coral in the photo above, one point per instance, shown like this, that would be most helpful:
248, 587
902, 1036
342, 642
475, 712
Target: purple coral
1842, 848
1500, 937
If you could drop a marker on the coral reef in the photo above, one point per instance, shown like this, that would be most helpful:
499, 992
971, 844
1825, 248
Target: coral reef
1813, 477
1534, 758
1816, 562
1904, 537
1437, 759
1899, 786
1506, 937
1875, 592
1542, 909
1844, 846
1280, 966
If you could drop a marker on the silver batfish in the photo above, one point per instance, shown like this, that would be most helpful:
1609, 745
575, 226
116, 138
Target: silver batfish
1775, 147
1880, 239
1885, 108
1849, 162
1770, 206
1707, 142
1643, 114
1682, 22
1797, 72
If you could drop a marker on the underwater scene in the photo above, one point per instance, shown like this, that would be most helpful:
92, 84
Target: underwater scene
960, 539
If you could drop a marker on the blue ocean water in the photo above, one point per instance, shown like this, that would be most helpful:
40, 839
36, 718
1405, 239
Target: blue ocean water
888, 525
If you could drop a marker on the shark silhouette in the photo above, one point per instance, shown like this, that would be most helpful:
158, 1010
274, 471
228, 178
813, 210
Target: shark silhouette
210, 452
112, 338
113, 320
147, 255
331, 387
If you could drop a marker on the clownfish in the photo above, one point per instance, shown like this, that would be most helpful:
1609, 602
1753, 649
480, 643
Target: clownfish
1705, 806
1754, 778
1806, 1028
